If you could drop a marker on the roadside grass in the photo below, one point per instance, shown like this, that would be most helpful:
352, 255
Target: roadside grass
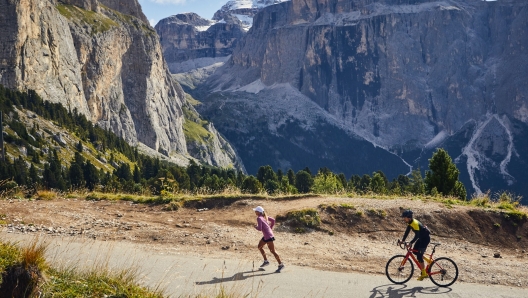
17, 262
10, 254
101, 282
22, 268
66, 282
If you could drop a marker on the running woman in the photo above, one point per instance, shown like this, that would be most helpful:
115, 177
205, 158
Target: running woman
265, 224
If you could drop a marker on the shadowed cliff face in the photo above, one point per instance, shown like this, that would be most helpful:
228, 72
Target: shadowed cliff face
103, 59
434, 62
404, 75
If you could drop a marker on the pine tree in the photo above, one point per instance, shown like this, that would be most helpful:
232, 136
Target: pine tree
266, 173
91, 175
303, 181
417, 185
377, 183
251, 185
364, 183
33, 176
443, 175
291, 177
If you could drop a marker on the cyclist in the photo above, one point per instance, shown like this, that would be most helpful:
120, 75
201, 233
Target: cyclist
421, 237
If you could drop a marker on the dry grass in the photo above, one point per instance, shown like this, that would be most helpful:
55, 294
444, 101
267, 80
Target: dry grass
32, 255
47, 195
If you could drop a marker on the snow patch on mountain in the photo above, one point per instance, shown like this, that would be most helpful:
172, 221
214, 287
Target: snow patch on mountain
244, 10
247, 21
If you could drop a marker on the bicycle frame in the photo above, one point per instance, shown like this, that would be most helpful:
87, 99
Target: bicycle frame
399, 272
410, 254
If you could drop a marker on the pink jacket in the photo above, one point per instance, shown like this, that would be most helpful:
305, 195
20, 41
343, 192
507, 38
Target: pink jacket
266, 228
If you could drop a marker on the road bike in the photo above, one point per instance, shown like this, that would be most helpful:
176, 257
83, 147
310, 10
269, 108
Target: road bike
442, 271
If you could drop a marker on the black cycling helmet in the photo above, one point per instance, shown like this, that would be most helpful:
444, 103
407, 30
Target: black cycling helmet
407, 213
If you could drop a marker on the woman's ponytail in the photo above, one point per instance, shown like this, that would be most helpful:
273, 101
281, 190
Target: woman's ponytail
265, 216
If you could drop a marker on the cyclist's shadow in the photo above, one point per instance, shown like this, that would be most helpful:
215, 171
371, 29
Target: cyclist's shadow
235, 277
400, 291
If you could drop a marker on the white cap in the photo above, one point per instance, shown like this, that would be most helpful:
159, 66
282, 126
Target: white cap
259, 209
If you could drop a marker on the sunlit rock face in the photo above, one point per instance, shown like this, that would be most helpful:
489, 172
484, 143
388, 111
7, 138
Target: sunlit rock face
102, 58
405, 75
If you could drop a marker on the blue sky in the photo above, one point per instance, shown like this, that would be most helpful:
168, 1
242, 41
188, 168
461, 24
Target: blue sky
156, 10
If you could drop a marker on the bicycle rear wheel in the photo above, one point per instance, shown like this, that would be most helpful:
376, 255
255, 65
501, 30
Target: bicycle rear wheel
443, 272
399, 269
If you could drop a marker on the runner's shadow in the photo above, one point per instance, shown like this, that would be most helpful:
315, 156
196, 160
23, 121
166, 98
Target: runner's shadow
399, 291
235, 277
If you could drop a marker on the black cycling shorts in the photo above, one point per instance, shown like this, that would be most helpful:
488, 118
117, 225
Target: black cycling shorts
268, 240
421, 244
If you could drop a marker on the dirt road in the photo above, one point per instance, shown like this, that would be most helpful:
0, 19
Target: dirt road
182, 275
359, 238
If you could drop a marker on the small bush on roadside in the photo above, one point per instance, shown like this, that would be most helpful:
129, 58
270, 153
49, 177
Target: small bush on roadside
47, 195
23, 275
347, 206
306, 217
481, 201
172, 206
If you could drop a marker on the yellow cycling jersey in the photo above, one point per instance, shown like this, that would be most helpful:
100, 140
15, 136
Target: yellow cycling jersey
419, 230
415, 225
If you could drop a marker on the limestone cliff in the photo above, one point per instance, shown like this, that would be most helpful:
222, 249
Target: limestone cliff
99, 56
189, 41
405, 75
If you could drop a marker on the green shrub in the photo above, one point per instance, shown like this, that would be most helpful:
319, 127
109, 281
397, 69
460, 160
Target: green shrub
515, 215
483, 201
380, 212
347, 206
306, 217
172, 206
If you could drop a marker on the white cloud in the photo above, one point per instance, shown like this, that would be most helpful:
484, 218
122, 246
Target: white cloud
152, 22
169, 1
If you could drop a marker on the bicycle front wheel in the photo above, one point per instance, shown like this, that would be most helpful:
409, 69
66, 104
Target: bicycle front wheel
399, 269
443, 272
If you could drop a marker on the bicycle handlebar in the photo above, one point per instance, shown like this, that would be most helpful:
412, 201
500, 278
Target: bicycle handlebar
403, 244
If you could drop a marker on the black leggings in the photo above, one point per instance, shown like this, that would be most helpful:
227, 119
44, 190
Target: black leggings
421, 246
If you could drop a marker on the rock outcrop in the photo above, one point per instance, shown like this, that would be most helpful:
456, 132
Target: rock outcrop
192, 43
187, 38
405, 75
100, 57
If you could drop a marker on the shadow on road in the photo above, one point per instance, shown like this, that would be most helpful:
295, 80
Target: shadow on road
235, 277
400, 291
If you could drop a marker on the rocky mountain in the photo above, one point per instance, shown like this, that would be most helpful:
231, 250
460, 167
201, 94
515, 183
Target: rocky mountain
189, 41
103, 58
244, 10
192, 44
364, 85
